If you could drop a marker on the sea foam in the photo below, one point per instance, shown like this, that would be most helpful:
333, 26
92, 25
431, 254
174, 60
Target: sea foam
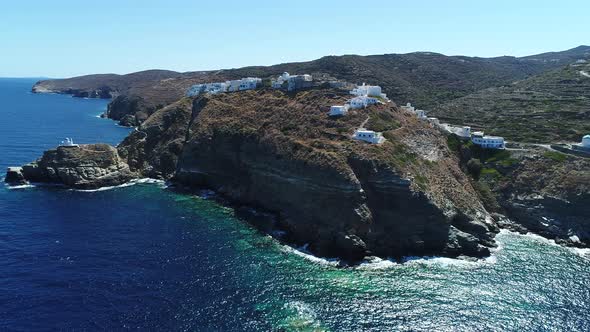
127, 184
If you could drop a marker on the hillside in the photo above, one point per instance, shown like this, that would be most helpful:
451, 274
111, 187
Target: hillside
424, 78
550, 107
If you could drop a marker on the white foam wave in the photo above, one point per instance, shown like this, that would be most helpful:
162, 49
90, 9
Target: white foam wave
22, 186
376, 263
583, 252
303, 252
128, 184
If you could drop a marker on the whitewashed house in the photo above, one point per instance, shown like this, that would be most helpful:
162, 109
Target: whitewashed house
488, 142
248, 83
362, 102
293, 82
370, 136
368, 90
337, 110
421, 114
69, 143
408, 108
233, 85
465, 132
212, 88
434, 121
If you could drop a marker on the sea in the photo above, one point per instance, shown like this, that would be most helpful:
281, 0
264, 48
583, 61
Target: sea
144, 257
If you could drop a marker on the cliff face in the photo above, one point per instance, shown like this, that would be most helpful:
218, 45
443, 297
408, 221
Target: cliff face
154, 147
549, 197
85, 167
343, 197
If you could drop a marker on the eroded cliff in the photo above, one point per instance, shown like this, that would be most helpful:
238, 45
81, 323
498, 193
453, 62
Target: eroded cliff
282, 152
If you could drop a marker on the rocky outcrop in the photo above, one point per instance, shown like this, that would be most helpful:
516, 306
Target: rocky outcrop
154, 147
83, 167
15, 176
549, 197
129, 110
343, 198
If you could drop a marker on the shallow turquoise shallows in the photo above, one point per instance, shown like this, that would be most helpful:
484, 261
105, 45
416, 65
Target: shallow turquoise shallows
143, 257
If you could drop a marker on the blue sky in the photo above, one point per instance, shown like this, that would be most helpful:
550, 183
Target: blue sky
67, 38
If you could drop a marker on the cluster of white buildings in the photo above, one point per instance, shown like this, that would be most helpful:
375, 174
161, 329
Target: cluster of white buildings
370, 136
292, 82
464, 132
248, 83
420, 114
365, 95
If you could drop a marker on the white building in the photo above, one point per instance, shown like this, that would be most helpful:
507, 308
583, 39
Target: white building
408, 108
339, 110
462, 132
368, 90
585, 142
68, 142
434, 121
487, 142
294, 82
465, 132
362, 102
248, 83
421, 114
370, 136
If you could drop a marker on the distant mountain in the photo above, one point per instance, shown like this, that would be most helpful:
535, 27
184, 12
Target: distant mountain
553, 106
103, 85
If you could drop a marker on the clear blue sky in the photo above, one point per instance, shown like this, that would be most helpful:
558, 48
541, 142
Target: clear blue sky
67, 38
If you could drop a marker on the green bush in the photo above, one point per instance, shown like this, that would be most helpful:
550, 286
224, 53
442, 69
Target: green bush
474, 167
554, 155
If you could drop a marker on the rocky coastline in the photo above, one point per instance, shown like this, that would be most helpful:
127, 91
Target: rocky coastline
281, 153
344, 198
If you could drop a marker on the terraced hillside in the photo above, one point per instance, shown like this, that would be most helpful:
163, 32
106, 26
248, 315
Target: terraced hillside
551, 107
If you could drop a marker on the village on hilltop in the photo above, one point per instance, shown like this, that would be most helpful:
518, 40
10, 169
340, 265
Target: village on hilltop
364, 96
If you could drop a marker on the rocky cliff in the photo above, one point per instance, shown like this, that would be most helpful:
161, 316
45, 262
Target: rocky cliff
541, 190
283, 153
88, 166
549, 196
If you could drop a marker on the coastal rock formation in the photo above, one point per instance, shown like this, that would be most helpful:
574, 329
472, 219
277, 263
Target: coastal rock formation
130, 111
342, 197
155, 146
88, 166
550, 197
15, 176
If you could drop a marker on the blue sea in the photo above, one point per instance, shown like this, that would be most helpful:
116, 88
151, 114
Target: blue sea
143, 257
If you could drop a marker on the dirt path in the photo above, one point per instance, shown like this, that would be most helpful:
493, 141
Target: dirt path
364, 122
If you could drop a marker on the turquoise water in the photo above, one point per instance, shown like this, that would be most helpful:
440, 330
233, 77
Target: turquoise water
144, 257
